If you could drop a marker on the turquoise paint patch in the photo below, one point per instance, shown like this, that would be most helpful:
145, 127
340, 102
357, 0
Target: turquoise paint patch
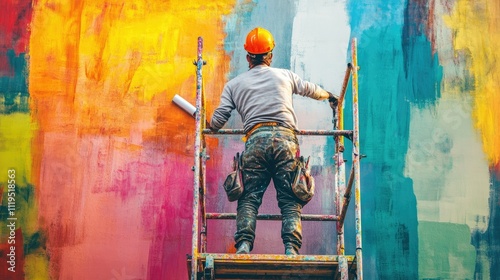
384, 126
390, 79
14, 86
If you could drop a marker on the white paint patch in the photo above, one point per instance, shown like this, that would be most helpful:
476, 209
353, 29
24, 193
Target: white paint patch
320, 42
448, 168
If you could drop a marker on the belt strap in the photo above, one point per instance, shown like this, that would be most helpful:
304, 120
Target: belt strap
252, 130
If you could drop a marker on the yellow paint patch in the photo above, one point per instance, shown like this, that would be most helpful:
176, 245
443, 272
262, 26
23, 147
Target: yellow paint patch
471, 21
15, 147
115, 66
36, 267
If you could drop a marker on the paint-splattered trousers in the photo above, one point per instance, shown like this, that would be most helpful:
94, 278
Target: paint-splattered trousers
270, 153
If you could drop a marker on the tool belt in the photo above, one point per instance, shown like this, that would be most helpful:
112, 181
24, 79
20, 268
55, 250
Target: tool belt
233, 185
252, 130
303, 184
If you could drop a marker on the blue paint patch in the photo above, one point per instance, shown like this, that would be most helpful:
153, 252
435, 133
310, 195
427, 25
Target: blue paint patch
422, 70
277, 16
487, 243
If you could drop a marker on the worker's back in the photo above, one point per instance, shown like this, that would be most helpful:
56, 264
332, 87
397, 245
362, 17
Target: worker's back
264, 94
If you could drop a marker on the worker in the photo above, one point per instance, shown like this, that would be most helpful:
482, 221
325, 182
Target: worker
263, 98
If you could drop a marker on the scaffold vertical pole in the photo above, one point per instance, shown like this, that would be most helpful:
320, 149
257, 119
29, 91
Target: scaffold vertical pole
340, 182
197, 162
356, 160
203, 171
343, 268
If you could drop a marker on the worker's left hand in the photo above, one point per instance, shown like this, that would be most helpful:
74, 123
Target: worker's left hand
207, 125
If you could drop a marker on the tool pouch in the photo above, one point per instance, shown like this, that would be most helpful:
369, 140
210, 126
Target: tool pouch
303, 183
233, 185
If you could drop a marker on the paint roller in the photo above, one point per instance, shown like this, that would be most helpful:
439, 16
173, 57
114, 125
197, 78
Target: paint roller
185, 105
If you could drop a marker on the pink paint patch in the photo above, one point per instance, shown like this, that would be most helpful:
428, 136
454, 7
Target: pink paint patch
172, 233
14, 30
105, 202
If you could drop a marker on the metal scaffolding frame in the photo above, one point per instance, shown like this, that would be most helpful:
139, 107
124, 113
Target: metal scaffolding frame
204, 265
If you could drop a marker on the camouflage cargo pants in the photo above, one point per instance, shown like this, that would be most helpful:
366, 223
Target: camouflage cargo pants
270, 153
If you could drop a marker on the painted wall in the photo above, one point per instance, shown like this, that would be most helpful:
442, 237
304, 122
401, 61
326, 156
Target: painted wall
99, 157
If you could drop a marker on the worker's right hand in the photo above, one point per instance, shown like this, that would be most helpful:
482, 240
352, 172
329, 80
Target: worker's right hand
332, 99
334, 105
334, 102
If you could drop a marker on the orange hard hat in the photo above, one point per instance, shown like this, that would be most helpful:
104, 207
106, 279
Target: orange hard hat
259, 41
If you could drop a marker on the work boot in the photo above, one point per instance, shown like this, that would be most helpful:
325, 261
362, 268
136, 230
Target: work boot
290, 250
244, 248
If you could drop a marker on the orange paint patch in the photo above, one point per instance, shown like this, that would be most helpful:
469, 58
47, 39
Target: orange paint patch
102, 78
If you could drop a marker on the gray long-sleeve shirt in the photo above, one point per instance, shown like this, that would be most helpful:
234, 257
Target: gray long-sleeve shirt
263, 94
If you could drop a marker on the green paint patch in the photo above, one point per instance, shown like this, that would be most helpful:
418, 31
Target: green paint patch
22, 207
445, 251
13, 102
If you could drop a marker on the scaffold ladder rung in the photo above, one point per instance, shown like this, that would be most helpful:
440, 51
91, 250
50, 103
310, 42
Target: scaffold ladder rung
304, 217
274, 266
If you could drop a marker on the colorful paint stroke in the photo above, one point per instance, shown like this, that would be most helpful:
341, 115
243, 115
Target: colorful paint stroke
97, 137
21, 241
